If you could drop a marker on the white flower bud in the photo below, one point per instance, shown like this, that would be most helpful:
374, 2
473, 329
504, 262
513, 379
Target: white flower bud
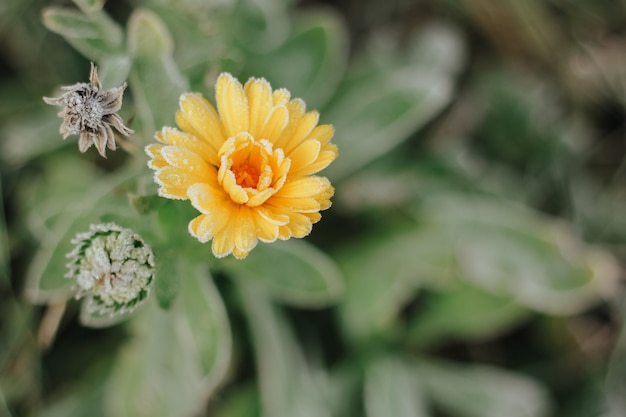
113, 268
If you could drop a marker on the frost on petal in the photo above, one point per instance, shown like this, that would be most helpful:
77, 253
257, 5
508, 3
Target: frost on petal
232, 104
259, 94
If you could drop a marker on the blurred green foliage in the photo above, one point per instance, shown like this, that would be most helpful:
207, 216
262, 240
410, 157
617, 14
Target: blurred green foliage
471, 264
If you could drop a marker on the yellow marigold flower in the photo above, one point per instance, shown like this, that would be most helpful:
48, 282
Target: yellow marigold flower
247, 167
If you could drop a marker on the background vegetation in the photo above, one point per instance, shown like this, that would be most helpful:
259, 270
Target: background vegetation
471, 264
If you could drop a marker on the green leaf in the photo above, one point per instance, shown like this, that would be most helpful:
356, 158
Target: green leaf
94, 35
312, 61
383, 273
45, 281
204, 310
69, 23
391, 389
379, 105
97, 320
148, 37
512, 251
616, 374
90, 6
259, 25
167, 280
177, 357
243, 402
20, 356
289, 386
30, 136
155, 79
463, 312
482, 391
83, 397
113, 70
293, 272
5, 275
504, 249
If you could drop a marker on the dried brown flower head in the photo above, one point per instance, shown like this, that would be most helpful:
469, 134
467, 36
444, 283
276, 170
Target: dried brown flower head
90, 113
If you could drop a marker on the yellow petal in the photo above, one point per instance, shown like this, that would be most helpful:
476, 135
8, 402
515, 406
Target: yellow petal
240, 254
324, 159
275, 217
323, 133
303, 128
159, 136
299, 226
280, 96
202, 116
324, 197
275, 123
223, 243
244, 230
199, 146
236, 192
201, 228
303, 187
154, 152
185, 125
304, 155
296, 109
173, 193
313, 217
175, 178
232, 104
209, 200
266, 230
303, 205
259, 95
256, 198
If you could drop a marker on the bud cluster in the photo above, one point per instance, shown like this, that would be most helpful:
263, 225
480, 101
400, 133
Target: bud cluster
113, 267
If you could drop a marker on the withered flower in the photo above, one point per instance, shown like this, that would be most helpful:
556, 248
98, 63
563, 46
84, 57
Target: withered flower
90, 113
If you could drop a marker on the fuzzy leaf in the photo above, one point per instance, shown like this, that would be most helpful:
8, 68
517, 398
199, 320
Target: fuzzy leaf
616, 375
148, 37
293, 272
90, 6
45, 281
261, 25
380, 104
504, 249
177, 357
95, 35
155, 79
5, 281
312, 61
391, 389
482, 391
30, 137
69, 23
463, 312
167, 280
512, 251
384, 273
289, 386
243, 402
113, 70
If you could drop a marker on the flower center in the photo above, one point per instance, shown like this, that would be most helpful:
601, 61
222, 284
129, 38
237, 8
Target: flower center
247, 172
251, 171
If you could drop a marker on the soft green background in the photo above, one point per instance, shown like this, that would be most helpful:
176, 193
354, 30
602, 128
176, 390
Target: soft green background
471, 264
